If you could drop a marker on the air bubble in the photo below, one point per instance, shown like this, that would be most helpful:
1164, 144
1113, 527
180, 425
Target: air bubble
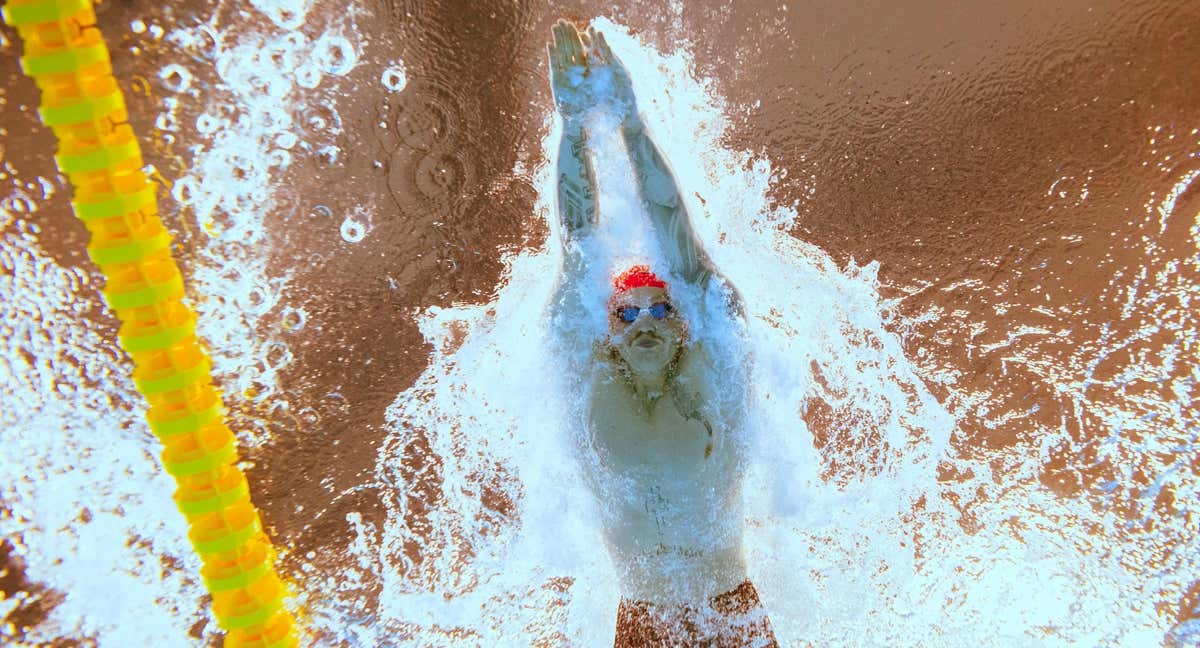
336, 54
276, 355
257, 300
182, 190
327, 155
293, 319
273, 119
286, 140
308, 76
296, 41
204, 44
137, 27
206, 124
166, 122
353, 231
394, 79
308, 416
322, 211
279, 159
176, 78
287, 18
19, 204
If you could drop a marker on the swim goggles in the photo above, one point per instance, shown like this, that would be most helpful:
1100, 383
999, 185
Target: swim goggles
629, 314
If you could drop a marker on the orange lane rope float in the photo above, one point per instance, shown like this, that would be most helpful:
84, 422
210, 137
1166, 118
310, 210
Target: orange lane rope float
81, 102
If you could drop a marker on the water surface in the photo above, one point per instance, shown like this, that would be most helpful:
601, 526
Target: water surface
968, 240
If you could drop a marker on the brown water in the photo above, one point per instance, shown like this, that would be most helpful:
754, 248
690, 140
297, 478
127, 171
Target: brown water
1004, 164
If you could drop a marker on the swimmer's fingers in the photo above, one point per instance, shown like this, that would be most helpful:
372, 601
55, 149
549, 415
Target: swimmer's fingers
562, 51
574, 46
552, 56
603, 49
559, 44
593, 45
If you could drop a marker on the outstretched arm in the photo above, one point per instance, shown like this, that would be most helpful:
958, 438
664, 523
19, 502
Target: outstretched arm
576, 180
576, 177
656, 183
668, 213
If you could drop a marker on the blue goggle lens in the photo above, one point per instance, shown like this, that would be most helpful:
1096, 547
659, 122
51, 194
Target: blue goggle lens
629, 314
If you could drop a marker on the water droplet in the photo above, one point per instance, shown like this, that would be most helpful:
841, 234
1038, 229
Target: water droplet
257, 300
327, 155
286, 140
279, 158
353, 231
322, 211
308, 76
257, 390
166, 122
276, 355
206, 124
182, 190
308, 416
293, 319
336, 55
394, 78
19, 203
203, 43
138, 27
139, 85
295, 41
286, 17
176, 78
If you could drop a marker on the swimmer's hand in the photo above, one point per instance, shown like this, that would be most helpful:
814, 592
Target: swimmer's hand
568, 71
585, 74
612, 75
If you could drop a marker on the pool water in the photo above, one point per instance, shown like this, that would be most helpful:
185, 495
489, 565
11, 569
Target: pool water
967, 241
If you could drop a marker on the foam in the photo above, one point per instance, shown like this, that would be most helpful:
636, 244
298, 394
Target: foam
480, 465
87, 508
877, 556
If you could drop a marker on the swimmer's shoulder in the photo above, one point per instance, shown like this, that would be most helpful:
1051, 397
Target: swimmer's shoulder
698, 369
717, 291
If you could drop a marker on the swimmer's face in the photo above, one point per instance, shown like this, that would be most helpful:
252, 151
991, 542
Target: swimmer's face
646, 344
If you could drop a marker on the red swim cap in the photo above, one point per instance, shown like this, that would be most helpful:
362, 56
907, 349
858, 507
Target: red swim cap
639, 276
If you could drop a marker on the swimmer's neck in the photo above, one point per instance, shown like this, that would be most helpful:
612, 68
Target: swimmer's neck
646, 387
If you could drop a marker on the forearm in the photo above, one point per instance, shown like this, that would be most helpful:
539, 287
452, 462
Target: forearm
668, 212
576, 180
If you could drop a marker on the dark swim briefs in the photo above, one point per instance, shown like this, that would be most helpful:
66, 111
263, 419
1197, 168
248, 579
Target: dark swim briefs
735, 619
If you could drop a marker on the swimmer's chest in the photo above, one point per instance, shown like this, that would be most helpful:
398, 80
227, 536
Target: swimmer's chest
676, 431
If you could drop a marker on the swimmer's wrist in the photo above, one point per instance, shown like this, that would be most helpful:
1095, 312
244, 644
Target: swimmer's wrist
572, 125
633, 124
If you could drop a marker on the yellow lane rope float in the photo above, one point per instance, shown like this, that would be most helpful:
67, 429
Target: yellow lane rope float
81, 102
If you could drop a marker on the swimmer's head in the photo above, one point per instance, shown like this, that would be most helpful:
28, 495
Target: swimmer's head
645, 330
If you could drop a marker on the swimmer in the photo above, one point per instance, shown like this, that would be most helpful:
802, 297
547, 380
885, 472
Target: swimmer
664, 407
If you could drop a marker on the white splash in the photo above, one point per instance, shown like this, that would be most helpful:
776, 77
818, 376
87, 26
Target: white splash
264, 113
86, 506
492, 539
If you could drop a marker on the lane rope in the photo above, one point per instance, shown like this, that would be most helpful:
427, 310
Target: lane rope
81, 103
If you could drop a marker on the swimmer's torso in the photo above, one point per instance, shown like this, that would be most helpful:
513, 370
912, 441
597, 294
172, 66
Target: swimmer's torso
668, 485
